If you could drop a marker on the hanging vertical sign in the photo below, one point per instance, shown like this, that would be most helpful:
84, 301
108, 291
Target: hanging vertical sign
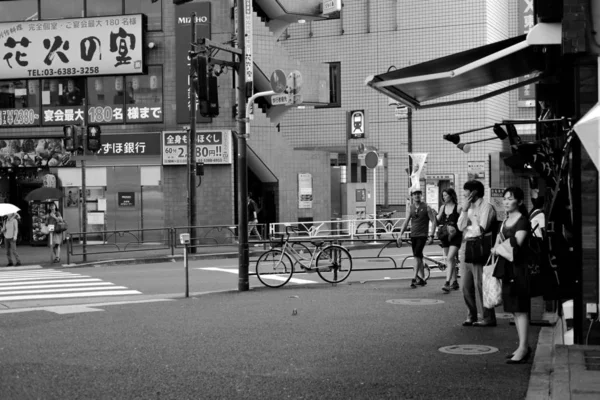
248, 63
305, 193
526, 94
183, 36
418, 160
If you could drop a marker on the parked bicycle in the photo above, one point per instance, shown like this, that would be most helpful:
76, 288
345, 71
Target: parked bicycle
385, 224
428, 261
275, 267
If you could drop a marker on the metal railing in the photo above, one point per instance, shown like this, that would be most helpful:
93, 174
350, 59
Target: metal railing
351, 228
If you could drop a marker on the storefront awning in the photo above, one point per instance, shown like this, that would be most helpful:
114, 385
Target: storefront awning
260, 169
588, 130
471, 69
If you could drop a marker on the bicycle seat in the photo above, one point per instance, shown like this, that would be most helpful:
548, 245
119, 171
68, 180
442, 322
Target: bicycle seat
317, 243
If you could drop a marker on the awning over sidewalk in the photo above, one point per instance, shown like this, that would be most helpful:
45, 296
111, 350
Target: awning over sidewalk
485, 65
588, 130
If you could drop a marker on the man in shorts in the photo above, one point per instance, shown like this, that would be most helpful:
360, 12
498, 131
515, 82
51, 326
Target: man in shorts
420, 233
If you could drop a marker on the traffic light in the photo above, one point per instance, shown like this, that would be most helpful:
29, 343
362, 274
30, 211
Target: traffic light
210, 107
70, 132
452, 138
200, 78
93, 138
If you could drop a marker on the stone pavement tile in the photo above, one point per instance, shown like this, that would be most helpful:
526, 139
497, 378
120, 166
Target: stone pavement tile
541, 371
583, 382
560, 387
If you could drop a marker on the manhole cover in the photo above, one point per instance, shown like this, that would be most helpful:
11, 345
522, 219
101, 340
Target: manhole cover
415, 302
468, 349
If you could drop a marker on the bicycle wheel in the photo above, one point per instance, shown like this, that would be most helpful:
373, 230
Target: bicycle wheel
274, 269
334, 264
365, 230
426, 271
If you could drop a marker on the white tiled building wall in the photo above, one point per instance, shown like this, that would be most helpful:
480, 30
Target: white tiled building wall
373, 35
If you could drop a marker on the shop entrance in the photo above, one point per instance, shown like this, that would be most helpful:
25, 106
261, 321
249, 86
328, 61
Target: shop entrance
436, 184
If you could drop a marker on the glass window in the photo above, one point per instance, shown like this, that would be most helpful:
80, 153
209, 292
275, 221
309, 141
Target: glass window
335, 85
18, 10
51, 9
152, 9
62, 101
143, 95
63, 92
19, 94
19, 103
97, 8
106, 99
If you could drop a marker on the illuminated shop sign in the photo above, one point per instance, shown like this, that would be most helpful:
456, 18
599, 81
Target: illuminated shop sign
98, 115
34, 153
18, 117
212, 147
72, 47
145, 144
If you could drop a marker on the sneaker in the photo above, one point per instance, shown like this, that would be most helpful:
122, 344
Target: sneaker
19, 263
455, 285
9, 264
447, 287
413, 284
421, 282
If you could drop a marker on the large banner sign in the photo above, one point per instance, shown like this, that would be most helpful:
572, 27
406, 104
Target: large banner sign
34, 153
72, 47
183, 19
525, 22
127, 144
212, 147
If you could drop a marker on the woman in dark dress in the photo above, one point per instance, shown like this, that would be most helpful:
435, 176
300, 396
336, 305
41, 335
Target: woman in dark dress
515, 274
448, 216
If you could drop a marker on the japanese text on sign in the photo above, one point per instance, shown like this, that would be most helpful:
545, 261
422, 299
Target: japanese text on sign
212, 147
71, 47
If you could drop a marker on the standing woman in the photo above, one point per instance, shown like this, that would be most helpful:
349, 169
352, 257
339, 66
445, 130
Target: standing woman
448, 218
55, 238
515, 274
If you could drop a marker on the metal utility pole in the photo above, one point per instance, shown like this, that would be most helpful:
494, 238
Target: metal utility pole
242, 176
192, 143
83, 182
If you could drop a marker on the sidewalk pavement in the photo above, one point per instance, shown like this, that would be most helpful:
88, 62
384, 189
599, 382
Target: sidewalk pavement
559, 372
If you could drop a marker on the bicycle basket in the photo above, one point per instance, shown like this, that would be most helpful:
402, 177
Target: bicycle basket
277, 241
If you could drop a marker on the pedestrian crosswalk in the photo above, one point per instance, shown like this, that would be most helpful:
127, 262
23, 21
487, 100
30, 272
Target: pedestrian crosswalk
273, 277
44, 284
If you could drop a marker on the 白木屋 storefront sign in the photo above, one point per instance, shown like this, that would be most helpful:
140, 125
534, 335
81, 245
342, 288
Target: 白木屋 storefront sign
72, 47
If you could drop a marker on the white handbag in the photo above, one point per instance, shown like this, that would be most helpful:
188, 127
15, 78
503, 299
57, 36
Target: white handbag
491, 286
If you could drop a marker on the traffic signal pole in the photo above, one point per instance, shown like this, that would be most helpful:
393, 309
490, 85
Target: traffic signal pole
242, 161
192, 144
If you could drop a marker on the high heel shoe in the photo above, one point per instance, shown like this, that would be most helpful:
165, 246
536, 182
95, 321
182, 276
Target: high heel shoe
509, 356
522, 360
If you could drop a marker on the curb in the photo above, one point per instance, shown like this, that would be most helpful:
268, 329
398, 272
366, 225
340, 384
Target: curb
543, 368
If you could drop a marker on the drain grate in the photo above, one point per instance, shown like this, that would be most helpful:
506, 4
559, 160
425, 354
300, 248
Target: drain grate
592, 360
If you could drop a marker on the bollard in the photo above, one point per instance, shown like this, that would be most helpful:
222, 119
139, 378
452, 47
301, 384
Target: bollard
184, 238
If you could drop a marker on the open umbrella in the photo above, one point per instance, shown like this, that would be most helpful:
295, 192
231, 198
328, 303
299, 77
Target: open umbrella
44, 193
7, 208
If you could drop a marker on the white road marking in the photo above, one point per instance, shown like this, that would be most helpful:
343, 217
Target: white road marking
3, 293
52, 281
273, 277
67, 295
35, 278
80, 307
62, 285
53, 284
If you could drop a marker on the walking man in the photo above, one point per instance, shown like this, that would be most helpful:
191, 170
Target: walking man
420, 233
475, 220
252, 217
10, 231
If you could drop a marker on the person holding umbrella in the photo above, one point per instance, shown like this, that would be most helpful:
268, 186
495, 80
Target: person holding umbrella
10, 230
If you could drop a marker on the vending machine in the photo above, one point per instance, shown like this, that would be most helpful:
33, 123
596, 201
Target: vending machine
39, 212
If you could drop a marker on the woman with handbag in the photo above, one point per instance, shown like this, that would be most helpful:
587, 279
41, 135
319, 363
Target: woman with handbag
512, 268
56, 237
450, 237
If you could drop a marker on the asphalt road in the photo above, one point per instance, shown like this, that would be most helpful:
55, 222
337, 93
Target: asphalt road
298, 342
35, 288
